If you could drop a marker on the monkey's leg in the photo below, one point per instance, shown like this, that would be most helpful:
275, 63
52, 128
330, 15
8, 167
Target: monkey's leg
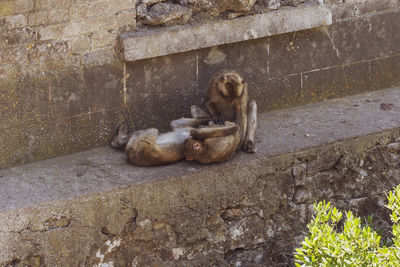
249, 144
241, 119
198, 112
188, 122
122, 137
203, 133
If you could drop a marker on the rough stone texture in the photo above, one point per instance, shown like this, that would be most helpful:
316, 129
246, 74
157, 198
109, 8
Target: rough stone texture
93, 209
60, 81
63, 89
142, 45
164, 12
292, 2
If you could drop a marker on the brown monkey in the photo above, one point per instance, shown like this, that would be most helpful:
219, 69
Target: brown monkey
205, 148
148, 148
227, 100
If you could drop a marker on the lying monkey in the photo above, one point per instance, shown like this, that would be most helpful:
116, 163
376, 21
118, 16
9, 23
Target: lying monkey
148, 148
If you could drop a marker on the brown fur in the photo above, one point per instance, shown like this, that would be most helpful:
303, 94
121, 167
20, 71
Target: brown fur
148, 148
143, 149
227, 99
206, 148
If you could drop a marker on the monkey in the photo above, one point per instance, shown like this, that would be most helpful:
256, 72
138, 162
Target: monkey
149, 148
207, 149
227, 99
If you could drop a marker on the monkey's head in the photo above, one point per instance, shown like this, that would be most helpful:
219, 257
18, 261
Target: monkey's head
193, 149
231, 85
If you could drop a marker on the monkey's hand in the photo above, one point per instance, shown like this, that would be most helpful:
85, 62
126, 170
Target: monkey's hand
218, 120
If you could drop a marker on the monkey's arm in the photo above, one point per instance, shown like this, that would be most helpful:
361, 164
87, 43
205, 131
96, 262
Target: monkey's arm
249, 144
188, 122
204, 133
214, 112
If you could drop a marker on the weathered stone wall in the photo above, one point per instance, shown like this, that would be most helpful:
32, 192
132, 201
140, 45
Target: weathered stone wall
251, 213
63, 88
58, 75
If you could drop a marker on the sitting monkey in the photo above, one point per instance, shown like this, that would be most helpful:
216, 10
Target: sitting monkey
227, 100
148, 148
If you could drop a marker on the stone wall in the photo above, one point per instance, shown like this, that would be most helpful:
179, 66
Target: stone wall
53, 57
63, 88
240, 214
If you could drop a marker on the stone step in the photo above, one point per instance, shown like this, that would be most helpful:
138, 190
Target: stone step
93, 208
138, 45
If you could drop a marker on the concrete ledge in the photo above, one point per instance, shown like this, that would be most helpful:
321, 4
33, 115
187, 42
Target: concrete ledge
165, 41
281, 131
93, 209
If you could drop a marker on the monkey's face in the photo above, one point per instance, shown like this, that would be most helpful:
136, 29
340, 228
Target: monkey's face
231, 86
193, 149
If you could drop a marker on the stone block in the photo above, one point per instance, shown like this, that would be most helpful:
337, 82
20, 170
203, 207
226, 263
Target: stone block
105, 38
357, 8
9, 99
140, 45
162, 13
103, 85
299, 173
48, 17
12, 55
385, 72
358, 78
368, 38
324, 162
16, 21
88, 25
20, 36
15, 7
323, 84
33, 95
278, 93
52, 4
302, 51
7, 8
81, 44
69, 93
156, 92
101, 56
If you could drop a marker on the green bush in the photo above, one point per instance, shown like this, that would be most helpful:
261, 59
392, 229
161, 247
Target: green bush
356, 245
